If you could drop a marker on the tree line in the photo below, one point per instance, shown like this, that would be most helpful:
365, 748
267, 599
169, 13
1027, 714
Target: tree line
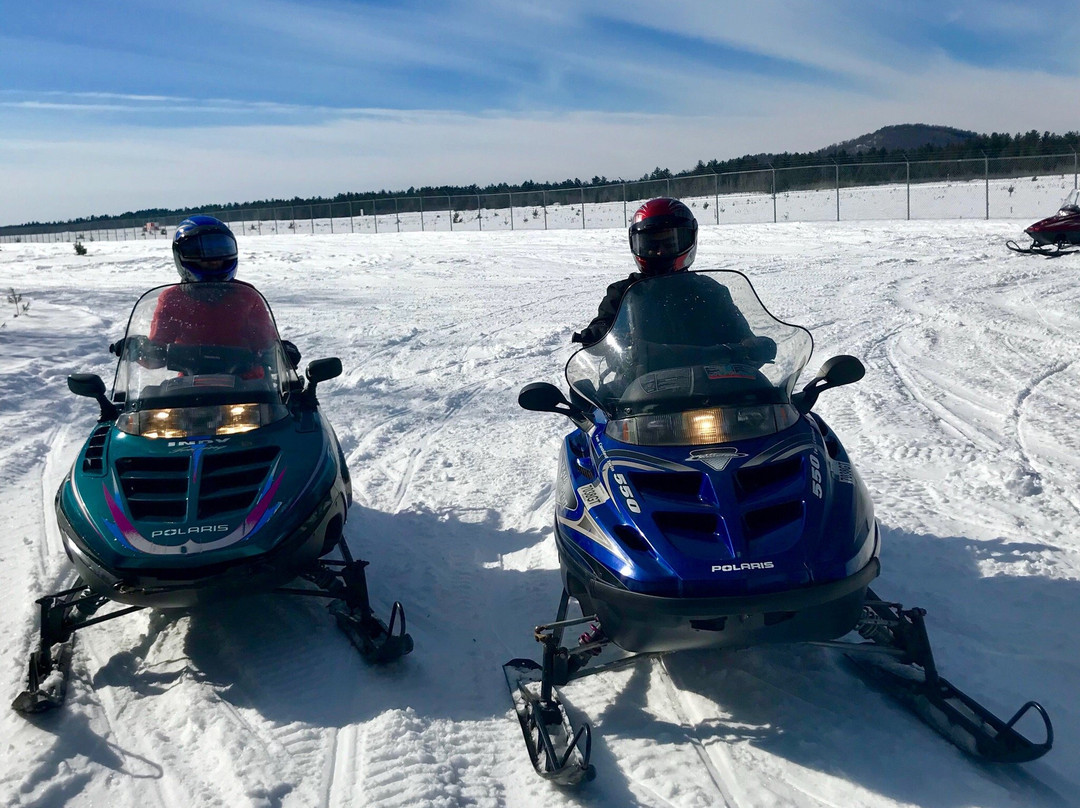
972, 146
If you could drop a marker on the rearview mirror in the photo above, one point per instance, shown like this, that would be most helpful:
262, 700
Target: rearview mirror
90, 385
319, 371
544, 397
836, 372
322, 370
841, 370
541, 397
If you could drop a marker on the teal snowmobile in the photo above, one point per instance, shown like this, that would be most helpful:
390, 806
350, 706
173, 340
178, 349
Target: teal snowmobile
211, 473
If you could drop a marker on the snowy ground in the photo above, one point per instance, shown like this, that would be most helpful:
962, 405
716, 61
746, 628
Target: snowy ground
964, 429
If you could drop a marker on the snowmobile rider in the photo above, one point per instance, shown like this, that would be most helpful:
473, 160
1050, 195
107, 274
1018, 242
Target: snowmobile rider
204, 250
663, 239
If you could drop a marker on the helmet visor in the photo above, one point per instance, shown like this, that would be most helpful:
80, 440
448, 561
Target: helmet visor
213, 246
667, 242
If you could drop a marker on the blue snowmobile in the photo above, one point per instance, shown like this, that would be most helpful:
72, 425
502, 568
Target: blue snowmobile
701, 503
211, 473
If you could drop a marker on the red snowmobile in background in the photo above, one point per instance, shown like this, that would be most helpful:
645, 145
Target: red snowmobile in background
1051, 235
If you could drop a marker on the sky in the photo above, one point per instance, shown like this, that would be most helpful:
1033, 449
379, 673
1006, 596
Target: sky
117, 106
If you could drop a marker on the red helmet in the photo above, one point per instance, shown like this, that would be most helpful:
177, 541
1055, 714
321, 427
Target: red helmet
663, 236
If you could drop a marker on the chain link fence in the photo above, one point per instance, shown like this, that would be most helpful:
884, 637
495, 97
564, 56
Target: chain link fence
1012, 187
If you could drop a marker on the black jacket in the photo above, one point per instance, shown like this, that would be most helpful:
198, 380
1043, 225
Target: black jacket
712, 304
605, 315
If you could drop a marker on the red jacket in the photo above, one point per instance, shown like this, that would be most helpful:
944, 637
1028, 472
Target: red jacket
232, 315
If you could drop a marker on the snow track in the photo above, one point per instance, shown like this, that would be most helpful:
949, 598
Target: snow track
715, 757
964, 429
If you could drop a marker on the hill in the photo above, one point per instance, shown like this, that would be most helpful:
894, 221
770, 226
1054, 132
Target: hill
902, 137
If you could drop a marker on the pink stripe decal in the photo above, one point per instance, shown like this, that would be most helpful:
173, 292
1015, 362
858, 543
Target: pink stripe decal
126, 528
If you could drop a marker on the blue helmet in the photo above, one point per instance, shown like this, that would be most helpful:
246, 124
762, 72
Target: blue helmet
204, 249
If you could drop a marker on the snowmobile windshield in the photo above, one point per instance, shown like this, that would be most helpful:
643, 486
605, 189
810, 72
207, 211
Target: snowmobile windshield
692, 358
201, 359
1072, 203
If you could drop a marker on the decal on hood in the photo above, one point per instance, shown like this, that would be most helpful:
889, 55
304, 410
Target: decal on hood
644, 461
730, 372
716, 458
746, 565
844, 473
588, 528
782, 450
593, 494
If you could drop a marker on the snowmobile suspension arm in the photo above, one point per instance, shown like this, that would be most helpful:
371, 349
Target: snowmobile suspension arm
57, 618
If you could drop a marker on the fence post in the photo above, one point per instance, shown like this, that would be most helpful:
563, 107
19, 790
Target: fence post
374, 215
582, 190
986, 176
510, 198
544, 198
397, 216
837, 165
1075, 172
624, 222
907, 184
716, 196
773, 170
479, 218
421, 214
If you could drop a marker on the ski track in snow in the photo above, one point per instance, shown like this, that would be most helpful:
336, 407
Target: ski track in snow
964, 430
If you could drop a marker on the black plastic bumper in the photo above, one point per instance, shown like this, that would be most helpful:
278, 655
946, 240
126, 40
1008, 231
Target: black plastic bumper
648, 623
182, 587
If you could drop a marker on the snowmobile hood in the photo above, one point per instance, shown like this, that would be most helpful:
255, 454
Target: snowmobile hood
757, 516
159, 503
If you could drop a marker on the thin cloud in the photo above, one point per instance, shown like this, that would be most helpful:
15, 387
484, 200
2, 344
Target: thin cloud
277, 98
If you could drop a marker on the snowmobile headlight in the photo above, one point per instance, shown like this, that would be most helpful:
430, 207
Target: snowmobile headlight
186, 422
703, 427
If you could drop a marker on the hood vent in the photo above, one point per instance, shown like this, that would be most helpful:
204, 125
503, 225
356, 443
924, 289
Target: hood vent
763, 521
155, 487
752, 480
230, 481
631, 538
694, 534
677, 485
93, 460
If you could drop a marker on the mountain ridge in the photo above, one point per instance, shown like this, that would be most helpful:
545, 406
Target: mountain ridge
902, 137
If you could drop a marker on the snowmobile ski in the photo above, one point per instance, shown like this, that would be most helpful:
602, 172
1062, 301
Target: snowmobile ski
559, 752
1045, 250
911, 677
50, 663
377, 642
346, 582
46, 681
